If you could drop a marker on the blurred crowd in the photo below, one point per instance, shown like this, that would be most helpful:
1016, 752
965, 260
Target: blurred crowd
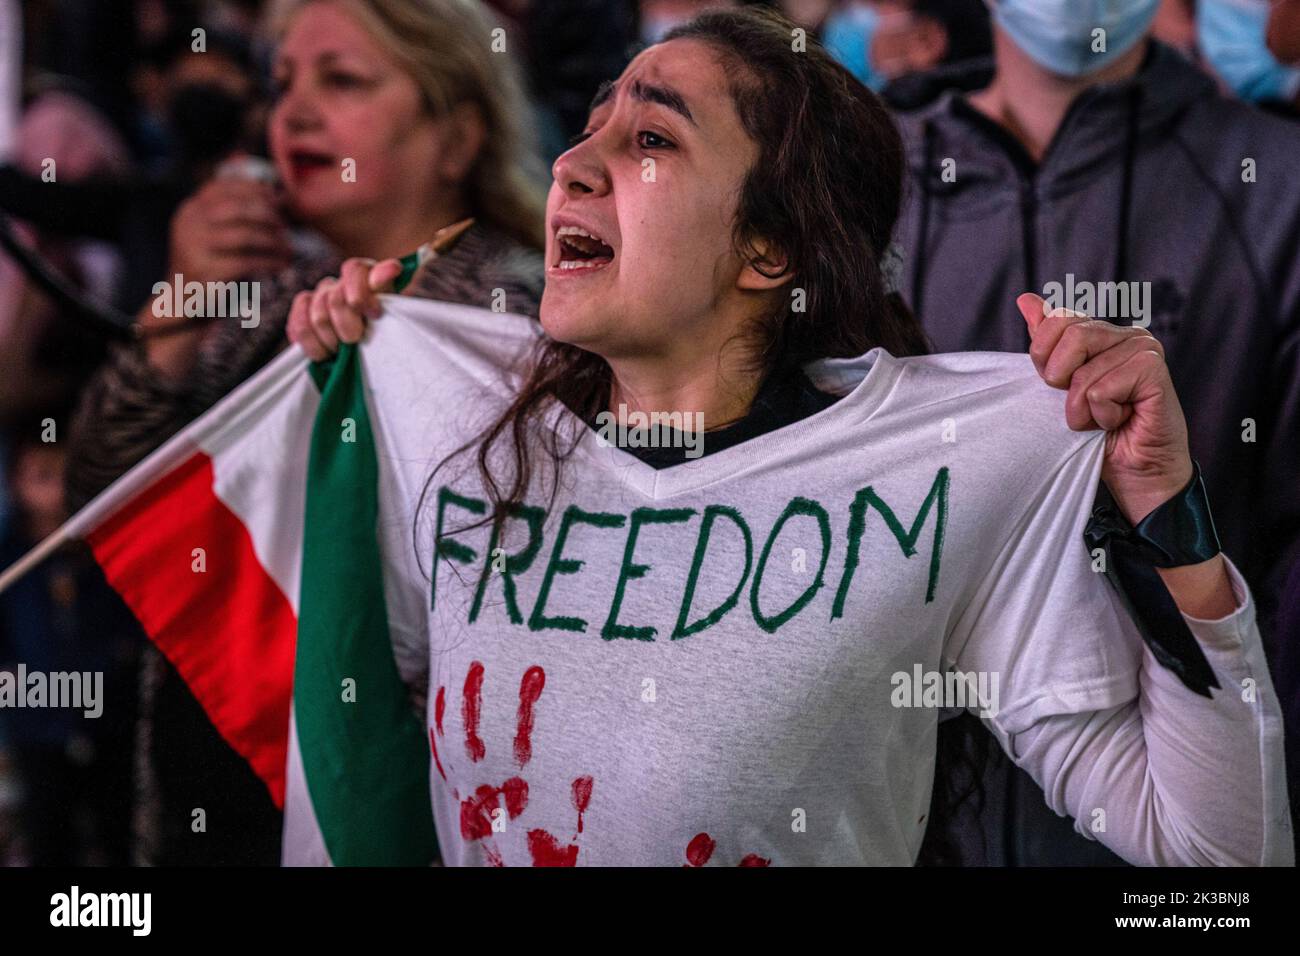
145, 138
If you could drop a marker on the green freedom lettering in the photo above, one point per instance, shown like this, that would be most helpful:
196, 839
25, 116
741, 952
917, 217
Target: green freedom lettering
629, 571
867, 497
711, 513
451, 550
933, 509
537, 621
514, 564
797, 506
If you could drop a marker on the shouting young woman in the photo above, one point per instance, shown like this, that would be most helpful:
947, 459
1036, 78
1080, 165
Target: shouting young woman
733, 647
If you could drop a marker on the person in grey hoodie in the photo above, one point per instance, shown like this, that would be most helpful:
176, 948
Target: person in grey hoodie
1102, 168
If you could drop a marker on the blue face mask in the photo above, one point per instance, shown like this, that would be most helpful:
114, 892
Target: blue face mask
1074, 37
847, 37
1231, 37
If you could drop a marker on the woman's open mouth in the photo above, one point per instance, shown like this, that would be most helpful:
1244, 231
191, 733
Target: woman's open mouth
304, 162
580, 249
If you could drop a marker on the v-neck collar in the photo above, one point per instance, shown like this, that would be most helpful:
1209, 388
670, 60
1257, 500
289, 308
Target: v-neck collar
867, 391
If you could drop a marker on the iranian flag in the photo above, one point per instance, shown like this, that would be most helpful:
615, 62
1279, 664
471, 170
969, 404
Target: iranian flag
247, 548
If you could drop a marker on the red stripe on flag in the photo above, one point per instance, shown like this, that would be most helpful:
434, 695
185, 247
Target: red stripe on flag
229, 630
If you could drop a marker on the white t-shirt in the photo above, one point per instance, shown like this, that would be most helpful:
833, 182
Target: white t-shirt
734, 660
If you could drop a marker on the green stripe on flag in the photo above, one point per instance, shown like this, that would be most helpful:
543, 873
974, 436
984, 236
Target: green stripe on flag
410, 262
366, 761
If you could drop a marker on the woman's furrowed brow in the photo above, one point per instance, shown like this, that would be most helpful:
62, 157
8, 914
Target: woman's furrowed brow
664, 96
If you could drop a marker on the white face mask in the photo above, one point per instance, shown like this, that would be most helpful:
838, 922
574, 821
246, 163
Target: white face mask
1074, 37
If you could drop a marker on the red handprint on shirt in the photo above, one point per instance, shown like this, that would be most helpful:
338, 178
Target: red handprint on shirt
700, 850
478, 811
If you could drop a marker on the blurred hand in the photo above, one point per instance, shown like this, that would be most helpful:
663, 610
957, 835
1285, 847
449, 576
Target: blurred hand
337, 309
230, 229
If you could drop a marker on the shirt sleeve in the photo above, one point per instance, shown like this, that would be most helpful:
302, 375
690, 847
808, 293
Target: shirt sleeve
1046, 631
1156, 772
1174, 778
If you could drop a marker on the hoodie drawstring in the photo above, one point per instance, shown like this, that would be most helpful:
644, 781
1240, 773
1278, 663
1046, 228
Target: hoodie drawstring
923, 227
1028, 244
1126, 181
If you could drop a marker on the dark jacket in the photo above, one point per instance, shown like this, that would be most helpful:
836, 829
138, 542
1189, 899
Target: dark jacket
1143, 182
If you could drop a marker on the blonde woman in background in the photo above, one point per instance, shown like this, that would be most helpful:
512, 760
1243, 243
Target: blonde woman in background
408, 96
